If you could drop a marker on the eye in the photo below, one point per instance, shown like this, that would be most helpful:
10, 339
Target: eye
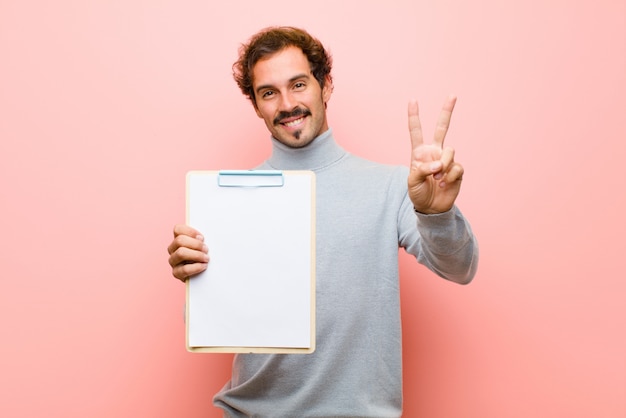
267, 94
299, 85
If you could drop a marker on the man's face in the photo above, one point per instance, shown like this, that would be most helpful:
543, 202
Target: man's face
289, 99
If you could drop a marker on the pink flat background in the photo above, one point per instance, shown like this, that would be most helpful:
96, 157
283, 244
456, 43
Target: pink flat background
104, 106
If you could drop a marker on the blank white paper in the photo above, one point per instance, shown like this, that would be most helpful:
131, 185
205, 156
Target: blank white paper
256, 291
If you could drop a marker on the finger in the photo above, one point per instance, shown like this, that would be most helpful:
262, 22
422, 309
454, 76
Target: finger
184, 241
415, 126
185, 255
185, 271
447, 159
185, 236
420, 171
454, 174
444, 120
182, 229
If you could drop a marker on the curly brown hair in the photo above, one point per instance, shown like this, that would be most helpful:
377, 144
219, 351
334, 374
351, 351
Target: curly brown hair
273, 39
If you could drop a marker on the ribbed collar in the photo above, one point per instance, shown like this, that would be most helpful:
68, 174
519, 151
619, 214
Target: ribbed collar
320, 153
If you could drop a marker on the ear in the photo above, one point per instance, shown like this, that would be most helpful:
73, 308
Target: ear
327, 91
256, 108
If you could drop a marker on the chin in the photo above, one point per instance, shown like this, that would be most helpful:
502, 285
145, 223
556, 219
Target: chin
295, 144
300, 141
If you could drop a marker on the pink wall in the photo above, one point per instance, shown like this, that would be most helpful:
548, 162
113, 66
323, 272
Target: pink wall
104, 105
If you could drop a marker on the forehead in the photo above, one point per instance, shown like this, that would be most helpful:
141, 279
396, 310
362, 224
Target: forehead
280, 67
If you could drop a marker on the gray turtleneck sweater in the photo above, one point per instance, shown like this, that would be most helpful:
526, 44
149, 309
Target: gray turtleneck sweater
363, 215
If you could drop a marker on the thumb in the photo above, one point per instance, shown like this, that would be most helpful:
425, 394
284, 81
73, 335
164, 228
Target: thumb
421, 170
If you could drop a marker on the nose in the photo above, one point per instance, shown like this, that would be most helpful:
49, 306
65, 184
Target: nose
287, 101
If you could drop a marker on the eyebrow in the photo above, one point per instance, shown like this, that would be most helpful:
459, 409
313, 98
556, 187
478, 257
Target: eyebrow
291, 80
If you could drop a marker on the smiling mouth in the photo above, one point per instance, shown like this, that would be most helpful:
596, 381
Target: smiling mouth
294, 122
290, 119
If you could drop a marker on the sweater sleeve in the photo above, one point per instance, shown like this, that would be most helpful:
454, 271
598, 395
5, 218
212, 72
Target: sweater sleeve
442, 242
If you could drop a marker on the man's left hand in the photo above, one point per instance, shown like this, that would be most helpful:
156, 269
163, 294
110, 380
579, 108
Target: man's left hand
435, 178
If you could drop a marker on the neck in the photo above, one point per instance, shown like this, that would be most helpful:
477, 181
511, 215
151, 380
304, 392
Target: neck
321, 152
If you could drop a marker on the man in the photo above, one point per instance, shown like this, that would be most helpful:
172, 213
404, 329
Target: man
365, 211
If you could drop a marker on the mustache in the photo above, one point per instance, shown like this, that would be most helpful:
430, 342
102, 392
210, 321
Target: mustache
297, 112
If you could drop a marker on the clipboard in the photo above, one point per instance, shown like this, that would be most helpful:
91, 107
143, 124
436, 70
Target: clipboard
257, 294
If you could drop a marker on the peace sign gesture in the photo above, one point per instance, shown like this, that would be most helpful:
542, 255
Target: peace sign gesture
435, 178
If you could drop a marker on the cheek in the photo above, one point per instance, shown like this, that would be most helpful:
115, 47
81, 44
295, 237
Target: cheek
262, 112
265, 111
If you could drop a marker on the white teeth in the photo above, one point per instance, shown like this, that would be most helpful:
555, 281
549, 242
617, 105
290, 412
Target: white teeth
294, 122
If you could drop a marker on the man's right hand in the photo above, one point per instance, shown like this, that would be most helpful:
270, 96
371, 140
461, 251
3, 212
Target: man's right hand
189, 254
